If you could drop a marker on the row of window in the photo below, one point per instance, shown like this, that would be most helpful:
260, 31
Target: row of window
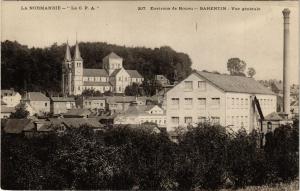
113, 66
238, 121
200, 103
95, 79
188, 85
157, 121
90, 103
200, 119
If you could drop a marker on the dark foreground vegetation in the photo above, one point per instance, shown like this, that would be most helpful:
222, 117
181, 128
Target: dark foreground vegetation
123, 158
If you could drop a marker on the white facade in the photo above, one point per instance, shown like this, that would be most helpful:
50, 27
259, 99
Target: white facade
10, 97
196, 100
143, 114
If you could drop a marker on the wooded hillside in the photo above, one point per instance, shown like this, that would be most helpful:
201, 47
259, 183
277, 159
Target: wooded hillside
39, 69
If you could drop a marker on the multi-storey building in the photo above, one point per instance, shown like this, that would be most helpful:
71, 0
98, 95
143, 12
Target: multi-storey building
10, 97
39, 104
113, 77
222, 99
60, 105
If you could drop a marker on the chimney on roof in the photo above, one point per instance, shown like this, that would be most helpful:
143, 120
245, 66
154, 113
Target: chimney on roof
286, 61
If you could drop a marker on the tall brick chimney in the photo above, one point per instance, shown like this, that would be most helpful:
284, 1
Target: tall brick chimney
286, 61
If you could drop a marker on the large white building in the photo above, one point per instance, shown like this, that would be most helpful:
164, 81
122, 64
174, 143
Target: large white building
10, 97
113, 77
223, 99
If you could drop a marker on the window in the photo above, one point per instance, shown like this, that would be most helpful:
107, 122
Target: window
188, 103
237, 100
188, 120
46, 104
202, 85
125, 79
215, 102
175, 120
232, 102
175, 102
78, 87
201, 119
188, 86
202, 103
246, 101
120, 79
242, 102
215, 120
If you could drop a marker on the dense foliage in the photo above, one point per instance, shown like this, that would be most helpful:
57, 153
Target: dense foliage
38, 69
206, 157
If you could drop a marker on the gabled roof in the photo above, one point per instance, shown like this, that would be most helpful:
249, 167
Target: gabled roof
274, 116
17, 125
94, 72
96, 83
278, 85
236, 84
160, 77
134, 74
140, 110
113, 55
76, 122
77, 112
95, 98
115, 72
119, 99
36, 96
62, 99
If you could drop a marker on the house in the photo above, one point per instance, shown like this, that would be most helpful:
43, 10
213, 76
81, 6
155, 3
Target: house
61, 104
275, 120
5, 110
217, 98
77, 113
139, 114
117, 104
113, 77
162, 80
16, 126
10, 97
277, 87
94, 103
61, 124
38, 101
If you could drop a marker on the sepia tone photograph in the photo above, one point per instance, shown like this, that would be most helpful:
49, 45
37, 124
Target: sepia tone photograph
150, 95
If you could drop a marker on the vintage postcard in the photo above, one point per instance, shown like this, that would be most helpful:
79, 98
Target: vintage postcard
150, 95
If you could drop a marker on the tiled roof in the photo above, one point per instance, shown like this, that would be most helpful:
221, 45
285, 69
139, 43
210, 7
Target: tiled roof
120, 99
36, 96
94, 72
62, 99
78, 112
140, 110
134, 74
76, 122
113, 55
274, 117
237, 84
96, 84
278, 85
17, 125
95, 98
5, 109
115, 72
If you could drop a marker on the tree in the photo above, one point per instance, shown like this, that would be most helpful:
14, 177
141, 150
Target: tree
236, 67
133, 90
91, 92
251, 72
20, 113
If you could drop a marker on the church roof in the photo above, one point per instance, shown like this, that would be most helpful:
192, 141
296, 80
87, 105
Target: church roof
238, 84
68, 53
134, 74
113, 55
95, 72
115, 72
96, 84
77, 55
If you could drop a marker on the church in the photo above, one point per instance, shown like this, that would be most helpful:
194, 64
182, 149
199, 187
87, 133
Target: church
113, 77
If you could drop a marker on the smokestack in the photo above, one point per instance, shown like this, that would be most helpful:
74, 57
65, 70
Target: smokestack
286, 61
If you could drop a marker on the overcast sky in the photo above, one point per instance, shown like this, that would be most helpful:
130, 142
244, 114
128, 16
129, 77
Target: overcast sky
210, 38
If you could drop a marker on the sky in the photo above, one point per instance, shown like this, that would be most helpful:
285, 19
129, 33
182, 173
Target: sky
210, 38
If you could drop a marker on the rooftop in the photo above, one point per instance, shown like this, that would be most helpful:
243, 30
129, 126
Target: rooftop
36, 96
134, 74
10, 92
238, 84
94, 72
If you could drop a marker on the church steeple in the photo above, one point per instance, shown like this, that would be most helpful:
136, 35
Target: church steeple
77, 55
68, 53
